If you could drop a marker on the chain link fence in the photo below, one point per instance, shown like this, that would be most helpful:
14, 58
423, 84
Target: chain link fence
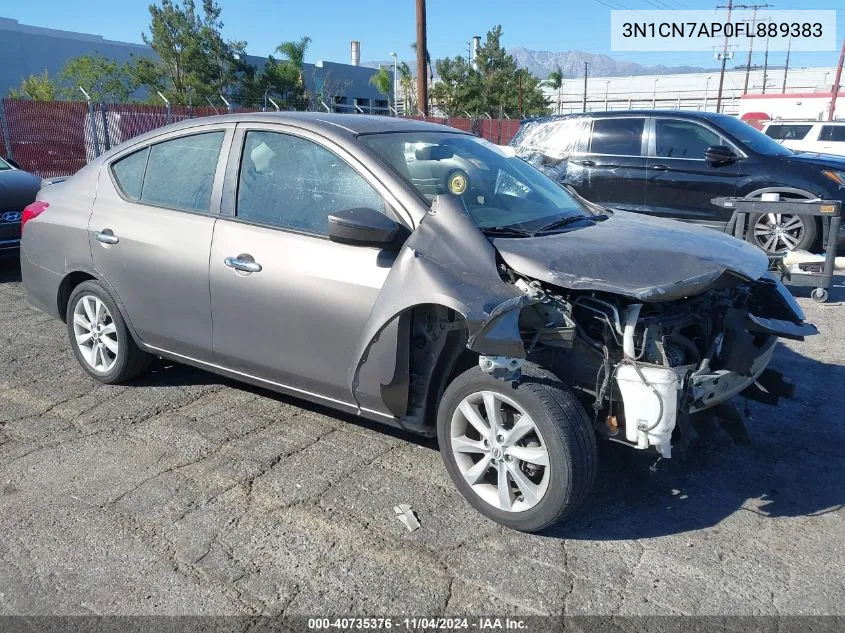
58, 138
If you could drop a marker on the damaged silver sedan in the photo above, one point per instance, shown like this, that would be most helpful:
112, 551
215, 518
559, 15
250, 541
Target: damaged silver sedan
414, 275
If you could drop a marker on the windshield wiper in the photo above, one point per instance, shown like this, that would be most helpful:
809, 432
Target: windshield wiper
506, 231
561, 222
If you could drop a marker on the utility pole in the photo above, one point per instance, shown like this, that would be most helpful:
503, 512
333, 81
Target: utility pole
766, 65
786, 66
519, 105
422, 62
729, 7
754, 8
835, 92
586, 72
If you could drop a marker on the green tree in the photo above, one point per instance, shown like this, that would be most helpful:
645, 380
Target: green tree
102, 78
193, 58
555, 82
288, 72
382, 81
36, 87
408, 89
496, 86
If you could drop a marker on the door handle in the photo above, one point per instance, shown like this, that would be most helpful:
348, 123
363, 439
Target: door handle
585, 163
660, 167
106, 236
242, 263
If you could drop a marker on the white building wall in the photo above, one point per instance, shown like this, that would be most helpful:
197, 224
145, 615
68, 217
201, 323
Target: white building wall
693, 91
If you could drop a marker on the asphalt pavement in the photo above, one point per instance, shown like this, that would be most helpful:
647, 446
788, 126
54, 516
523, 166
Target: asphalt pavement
185, 493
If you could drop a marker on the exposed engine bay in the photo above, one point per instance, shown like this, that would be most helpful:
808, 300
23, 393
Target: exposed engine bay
648, 365
653, 349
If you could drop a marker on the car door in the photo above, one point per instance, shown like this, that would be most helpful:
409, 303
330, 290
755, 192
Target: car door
681, 182
612, 169
150, 236
289, 305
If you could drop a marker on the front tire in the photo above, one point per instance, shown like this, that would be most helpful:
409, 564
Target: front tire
99, 337
530, 463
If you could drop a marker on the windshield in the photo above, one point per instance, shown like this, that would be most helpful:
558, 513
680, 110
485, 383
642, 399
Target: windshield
752, 137
497, 190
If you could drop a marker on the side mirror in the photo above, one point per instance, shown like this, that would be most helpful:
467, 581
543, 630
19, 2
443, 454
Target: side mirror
12, 162
719, 155
363, 227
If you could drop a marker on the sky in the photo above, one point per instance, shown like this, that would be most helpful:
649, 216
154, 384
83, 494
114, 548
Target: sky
385, 27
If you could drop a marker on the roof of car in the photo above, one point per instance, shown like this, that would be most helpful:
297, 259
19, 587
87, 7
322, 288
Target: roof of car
350, 124
686, 114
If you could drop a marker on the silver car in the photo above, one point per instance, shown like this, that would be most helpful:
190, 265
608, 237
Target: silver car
493, 310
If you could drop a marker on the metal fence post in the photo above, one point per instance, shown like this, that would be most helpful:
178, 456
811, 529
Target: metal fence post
93, 122
106, 141
4, 123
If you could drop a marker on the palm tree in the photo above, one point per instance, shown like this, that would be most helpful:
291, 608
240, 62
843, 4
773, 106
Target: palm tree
555, 81
295, 52
382, 80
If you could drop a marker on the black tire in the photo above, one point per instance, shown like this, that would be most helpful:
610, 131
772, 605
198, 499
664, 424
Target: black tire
130, 361
567, 434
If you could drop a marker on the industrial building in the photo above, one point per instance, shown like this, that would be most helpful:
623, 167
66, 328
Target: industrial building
27, 50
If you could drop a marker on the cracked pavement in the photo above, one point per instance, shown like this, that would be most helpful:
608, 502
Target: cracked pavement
185, 493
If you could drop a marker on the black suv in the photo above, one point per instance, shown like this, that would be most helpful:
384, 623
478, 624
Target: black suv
673, 163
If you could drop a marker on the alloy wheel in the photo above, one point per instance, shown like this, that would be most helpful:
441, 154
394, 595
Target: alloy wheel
499, 451
775, 232
95, 333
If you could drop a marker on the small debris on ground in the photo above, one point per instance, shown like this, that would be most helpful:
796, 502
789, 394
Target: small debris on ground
407, 517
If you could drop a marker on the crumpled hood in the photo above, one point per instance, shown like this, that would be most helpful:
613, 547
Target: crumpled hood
637, 256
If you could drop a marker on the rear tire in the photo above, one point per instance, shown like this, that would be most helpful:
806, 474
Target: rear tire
99, 337
535, 495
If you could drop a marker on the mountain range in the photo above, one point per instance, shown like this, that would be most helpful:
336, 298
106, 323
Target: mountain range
541, 63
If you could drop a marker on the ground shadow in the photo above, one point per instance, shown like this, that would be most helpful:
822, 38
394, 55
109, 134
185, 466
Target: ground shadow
10, 270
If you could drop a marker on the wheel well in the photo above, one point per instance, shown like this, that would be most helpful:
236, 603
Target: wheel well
70, 282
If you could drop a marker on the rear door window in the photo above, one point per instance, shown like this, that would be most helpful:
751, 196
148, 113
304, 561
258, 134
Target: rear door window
620, 137
177, 173
835, 133
683, 139
180, 172
788, 132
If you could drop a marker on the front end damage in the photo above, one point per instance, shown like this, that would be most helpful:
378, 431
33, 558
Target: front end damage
651, 360
653, 370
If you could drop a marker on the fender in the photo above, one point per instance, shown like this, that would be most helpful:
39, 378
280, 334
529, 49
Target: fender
447, 261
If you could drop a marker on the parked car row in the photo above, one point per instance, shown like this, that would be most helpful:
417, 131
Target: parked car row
418, 276
674, 164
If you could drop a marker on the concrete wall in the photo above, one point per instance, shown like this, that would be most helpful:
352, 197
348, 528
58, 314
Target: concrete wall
691, 91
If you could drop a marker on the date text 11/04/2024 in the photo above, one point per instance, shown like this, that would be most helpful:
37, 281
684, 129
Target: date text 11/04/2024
721, 29
417, 623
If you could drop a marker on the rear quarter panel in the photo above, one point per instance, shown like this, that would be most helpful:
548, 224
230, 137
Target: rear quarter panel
56, 242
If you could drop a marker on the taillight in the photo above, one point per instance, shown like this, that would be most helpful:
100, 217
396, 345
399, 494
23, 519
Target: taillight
32, 211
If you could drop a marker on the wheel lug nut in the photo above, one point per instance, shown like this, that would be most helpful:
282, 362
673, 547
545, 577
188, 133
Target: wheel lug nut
500, 438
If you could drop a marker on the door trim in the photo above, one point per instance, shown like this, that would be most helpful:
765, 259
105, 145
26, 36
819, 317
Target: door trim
276, 386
